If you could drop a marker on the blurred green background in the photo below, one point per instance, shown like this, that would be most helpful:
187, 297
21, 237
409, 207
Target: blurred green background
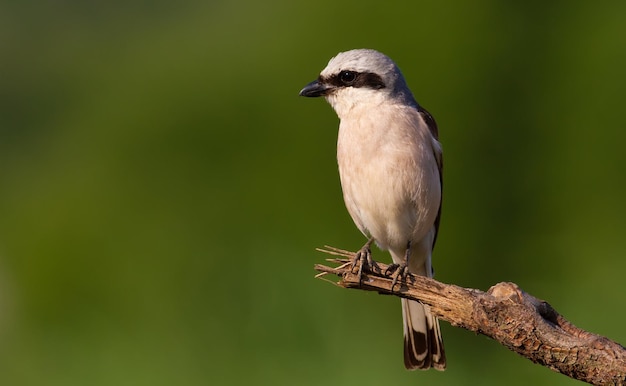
163, 187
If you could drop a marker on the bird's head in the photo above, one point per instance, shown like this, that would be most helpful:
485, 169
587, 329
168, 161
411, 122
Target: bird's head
360, 77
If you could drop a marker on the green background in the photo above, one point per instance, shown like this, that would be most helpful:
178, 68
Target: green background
163, 188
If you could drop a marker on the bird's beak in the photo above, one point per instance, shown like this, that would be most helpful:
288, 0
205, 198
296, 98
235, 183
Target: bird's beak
314, 89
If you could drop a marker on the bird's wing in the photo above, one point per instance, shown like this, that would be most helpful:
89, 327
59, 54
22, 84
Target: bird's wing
432, 126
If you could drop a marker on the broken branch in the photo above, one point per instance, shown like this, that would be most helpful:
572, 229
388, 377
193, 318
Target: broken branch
517, 320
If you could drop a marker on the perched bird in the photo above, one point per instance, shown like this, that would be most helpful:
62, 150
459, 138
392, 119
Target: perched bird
390, 164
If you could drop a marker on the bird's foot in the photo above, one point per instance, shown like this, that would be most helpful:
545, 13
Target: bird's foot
363, 259
397, 271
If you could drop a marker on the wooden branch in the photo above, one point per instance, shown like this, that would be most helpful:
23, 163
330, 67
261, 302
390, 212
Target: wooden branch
505, 313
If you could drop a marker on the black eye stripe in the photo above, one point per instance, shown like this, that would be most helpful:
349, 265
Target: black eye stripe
360, 79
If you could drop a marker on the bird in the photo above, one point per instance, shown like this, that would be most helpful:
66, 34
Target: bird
390, 167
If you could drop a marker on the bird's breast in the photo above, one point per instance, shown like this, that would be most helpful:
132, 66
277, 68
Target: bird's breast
389, 178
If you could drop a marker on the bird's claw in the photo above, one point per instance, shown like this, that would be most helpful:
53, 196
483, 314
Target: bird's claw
363, 259
396, 271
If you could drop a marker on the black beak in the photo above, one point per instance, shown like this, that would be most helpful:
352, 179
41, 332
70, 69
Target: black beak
314, 89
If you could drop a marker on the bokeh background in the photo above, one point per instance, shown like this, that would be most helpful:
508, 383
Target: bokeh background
163, 188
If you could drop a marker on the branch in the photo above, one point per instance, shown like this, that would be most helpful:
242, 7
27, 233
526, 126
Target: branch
505, 313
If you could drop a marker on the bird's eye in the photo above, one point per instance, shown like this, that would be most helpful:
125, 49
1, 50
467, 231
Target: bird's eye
347, 77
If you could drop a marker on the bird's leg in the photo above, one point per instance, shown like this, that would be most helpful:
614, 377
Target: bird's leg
363, 257
400, 270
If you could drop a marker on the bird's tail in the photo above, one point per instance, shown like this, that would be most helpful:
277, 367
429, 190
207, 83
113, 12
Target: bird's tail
423, 346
